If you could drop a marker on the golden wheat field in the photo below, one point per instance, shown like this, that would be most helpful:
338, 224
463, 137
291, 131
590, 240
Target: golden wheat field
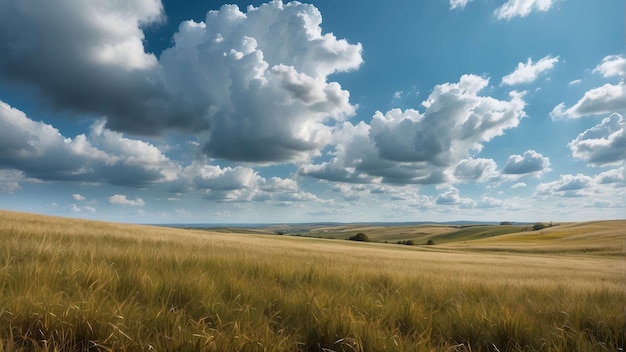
76, 285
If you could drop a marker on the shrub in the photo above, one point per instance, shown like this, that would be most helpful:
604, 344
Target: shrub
430, 242
538, 226
359, 237
408, 242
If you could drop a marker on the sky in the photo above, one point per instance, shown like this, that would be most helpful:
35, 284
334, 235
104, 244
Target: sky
149, 111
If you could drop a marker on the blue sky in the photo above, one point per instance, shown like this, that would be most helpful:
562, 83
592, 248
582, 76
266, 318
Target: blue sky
209, 112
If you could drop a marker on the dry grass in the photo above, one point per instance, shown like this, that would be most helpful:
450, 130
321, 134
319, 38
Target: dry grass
79, 285
600, 238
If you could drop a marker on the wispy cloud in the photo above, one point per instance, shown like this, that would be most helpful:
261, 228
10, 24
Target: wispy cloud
521, 8
530, 71
458, 4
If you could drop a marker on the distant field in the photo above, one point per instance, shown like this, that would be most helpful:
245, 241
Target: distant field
70, 285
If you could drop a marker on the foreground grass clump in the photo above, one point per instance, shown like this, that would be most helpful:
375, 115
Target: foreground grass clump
69, 285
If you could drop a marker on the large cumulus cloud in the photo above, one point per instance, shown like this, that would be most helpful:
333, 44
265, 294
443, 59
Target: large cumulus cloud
414, 147
250, 96
86, 57
264, 99
40, 151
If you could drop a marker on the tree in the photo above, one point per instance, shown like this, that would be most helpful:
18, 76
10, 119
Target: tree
538, 226
359, 237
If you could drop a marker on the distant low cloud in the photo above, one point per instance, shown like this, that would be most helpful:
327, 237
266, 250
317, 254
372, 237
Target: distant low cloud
10, 180
567, 186
602, 144
530, 162
120, 199
80, 209
78, 197
529, 72
612, 66
238, 184
522, 8
607, 183
490, 203
606, 99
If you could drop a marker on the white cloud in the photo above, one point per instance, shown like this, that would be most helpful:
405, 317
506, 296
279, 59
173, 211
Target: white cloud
227, 80
78, 209
111, 35
518, 185
530, 162
40, 151
85, 56
489, 203
567, 186
410, 147
575, 82
602, 100
521, 8
10, 180
605, 187
78, 197
527, 73
612, 66
265, 100
614, 176
451, 197
458, 4
476, 169
602, 144
120, 199
238, 184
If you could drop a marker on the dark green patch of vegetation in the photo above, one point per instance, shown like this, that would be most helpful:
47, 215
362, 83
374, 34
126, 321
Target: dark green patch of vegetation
359, 237
538, 226
476, 232
407, 242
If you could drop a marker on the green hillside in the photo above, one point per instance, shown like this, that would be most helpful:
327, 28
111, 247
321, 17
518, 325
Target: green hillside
476, 232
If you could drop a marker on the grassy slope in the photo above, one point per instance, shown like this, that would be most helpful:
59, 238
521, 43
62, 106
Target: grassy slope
475, 232
392, 234
599, 237
73, 284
